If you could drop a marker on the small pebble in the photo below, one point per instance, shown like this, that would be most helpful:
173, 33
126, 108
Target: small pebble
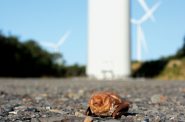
88, 119
48, 107
158, 98
129, 119
13, 112
79, 114
146, 119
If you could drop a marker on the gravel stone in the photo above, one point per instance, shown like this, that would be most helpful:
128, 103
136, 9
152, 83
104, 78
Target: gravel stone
88, 119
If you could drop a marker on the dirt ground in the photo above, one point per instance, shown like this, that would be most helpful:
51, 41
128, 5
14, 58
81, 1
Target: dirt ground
65, 100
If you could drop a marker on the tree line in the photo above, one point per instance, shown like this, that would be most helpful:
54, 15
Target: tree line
28, 59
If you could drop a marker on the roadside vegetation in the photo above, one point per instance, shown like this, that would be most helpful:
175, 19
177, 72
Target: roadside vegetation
166, 68
28, 59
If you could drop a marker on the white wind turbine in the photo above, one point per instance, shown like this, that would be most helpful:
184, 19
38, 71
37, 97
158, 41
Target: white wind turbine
140, 34
56, 46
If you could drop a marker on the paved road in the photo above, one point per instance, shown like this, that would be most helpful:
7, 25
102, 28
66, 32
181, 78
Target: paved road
66, 99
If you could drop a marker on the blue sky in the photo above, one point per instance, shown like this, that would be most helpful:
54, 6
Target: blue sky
46, 20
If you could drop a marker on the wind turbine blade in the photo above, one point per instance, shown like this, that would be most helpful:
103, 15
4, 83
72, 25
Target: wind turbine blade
133, 21
63, 38
146, 8
48, 44
143, 40
148, 14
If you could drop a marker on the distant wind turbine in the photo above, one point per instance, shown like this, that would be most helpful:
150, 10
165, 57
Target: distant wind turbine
56, 46
140, 34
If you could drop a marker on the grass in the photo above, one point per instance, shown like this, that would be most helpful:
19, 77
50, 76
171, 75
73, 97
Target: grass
174, 70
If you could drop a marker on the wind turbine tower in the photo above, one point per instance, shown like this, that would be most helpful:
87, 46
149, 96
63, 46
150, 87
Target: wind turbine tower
108, 39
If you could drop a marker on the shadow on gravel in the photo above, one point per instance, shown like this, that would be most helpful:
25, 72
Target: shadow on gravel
130, 114
125, 114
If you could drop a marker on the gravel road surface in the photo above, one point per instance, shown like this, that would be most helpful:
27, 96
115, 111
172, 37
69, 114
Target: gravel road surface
65, 100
